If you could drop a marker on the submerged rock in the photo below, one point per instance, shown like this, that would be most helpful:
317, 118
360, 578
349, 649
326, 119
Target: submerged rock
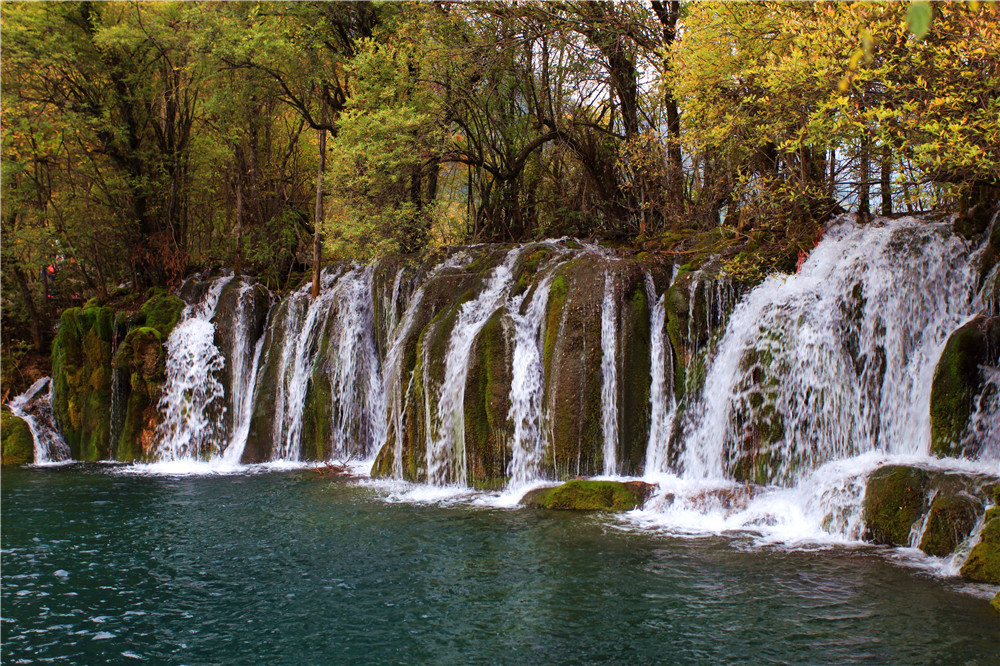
18, 446
586, 495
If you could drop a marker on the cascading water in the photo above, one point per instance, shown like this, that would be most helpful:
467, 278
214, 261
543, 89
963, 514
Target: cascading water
243, 371
840, 356
355, 372
446, 441
192, 406
819, 378
35, 408
609, 374
662, 401
527, 386
392, 376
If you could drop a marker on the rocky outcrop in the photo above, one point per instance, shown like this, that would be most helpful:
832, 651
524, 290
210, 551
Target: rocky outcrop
934, 510
958, 380
81, 375
588, 495
18, 447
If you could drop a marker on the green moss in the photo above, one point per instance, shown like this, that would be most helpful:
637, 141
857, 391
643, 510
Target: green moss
635, 382
957, 380
983, 564
553, 316
995, 602
894, 501
487, 402
18, 446
81, 358
950, 520
162, 313
584, 495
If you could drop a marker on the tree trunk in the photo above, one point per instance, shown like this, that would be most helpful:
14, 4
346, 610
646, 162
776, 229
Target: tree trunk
239, 227
864, 206
318, 222
667, 13
885, 180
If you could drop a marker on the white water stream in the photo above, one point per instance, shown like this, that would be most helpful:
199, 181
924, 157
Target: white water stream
35, 407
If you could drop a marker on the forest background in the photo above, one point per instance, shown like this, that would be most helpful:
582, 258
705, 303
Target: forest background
144, 140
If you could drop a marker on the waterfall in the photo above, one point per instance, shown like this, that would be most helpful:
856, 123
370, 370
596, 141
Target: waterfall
609, 374
662, 401
192, 406
527, 386
244, 370
446, 447
392, 376
35, 408
840, 356
305, 320
354, 370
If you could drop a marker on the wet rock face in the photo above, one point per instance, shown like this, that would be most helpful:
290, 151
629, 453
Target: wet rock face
587, 495
18, 447
936, 510
142, 357
959, 382
983, 563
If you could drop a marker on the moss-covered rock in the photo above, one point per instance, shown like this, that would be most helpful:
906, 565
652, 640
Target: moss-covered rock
487, 403
587, 495
18, 446
957, 381
995, 602
81, 375
572, 360
983, 563
142, 357
635, 380
950, 520
894, 500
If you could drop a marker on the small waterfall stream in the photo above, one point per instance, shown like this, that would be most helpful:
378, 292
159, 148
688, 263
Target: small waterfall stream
446, 440
528, 387
192, 401
662, 401
35, 407
609, 374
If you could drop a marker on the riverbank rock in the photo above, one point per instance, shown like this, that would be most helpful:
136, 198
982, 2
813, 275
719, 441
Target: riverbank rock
18, 446
587, 495
894, 500
958, 380
946, 506
983, 563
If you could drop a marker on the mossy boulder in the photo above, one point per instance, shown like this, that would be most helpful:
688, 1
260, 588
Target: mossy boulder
995, 602
894, 500
983, 563
950, 521
81, 375
587, 495
958, 379
18, 445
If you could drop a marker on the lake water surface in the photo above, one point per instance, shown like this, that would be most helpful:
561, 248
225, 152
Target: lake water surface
104, 565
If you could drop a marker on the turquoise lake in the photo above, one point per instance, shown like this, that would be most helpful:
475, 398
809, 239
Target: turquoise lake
102, 565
